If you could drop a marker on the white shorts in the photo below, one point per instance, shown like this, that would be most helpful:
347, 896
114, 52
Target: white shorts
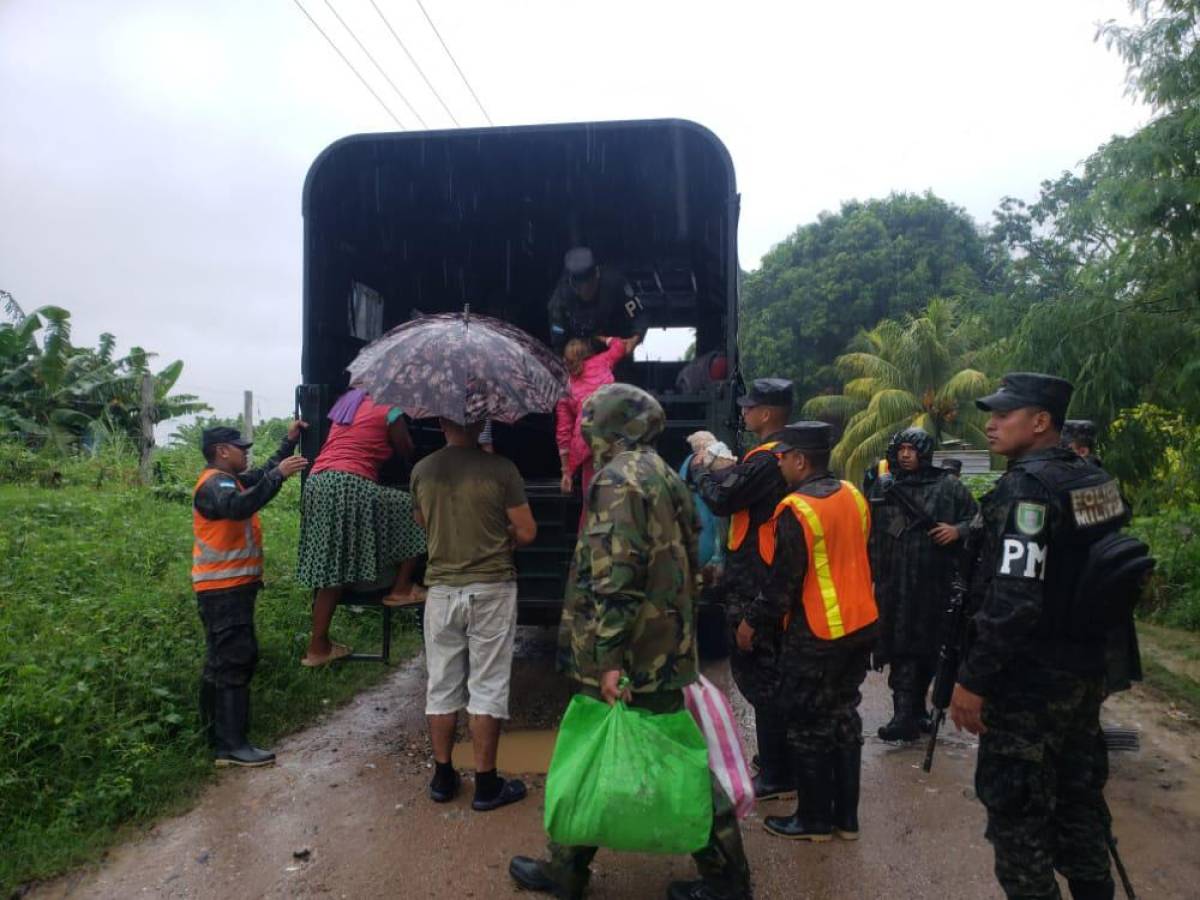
469, 634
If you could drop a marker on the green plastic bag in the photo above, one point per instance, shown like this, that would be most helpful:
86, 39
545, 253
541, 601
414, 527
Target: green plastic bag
626, 779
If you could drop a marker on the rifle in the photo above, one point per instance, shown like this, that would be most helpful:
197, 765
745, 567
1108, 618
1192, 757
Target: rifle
1111, 840
953, 617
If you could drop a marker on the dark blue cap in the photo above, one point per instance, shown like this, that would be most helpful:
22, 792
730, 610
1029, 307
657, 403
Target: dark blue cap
768, 392
805, 435
1021, 389
223, 435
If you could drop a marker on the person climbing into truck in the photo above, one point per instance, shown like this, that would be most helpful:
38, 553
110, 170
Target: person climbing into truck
589, 371
592, 300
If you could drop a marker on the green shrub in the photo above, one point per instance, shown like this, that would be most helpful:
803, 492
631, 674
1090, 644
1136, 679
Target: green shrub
980, 483
1174, 539
102, 649
1156, 454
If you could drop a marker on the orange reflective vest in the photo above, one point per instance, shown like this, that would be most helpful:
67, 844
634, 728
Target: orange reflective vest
226, 553
739, 522
838, 595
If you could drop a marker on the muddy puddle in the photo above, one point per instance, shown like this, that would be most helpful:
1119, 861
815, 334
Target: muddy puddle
520, 753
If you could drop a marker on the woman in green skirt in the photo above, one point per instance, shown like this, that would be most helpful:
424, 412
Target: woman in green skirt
353, 529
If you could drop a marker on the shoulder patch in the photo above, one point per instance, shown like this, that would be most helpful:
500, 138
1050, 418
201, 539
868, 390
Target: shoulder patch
226, 483
1030, 518
1095, 505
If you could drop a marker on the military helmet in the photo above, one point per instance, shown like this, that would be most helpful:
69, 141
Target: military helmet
620, 417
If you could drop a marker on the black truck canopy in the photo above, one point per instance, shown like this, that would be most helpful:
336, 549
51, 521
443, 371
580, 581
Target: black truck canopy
424, 222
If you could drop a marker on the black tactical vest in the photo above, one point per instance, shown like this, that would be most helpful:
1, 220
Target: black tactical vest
1087, 506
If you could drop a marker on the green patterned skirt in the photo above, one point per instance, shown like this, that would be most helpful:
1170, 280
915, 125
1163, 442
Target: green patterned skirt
353, 530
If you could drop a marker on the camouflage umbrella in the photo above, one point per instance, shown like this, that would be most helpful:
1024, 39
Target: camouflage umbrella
460, 366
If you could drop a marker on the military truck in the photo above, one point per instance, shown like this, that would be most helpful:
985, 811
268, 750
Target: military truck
396, 225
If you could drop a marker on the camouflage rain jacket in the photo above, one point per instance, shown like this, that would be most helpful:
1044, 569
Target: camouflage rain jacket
630, 594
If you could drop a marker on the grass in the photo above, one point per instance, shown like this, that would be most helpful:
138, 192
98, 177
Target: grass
1178, 689
1174, 595
102, 650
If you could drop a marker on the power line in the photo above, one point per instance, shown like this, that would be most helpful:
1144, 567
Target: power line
357, 74
456, 66
420, 71
367, 53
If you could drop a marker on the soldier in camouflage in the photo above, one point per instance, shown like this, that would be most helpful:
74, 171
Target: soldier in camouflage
1032, 676
629, 611
747, 493
914, 562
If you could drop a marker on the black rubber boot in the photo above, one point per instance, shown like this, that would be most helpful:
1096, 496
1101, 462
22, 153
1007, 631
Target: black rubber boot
232, 720
775, 778
703, 890
847, 768
920, 712
813, 818
902, 727
1092, 890
208, 712
531, 875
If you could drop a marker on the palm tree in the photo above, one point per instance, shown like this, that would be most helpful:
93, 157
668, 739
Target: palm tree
903, 374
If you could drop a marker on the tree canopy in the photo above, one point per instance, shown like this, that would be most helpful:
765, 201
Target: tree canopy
872, 260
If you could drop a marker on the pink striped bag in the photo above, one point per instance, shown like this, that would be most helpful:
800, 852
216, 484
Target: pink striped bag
712, 712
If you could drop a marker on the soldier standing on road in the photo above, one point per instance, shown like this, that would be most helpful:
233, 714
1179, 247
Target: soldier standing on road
1032, 676
819, 600
591, 300
914, 566
630, 611
747, 493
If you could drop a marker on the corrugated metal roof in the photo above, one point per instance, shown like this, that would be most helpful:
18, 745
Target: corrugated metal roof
974, 462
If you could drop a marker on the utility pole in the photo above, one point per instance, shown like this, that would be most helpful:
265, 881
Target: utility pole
248, 424
145, 471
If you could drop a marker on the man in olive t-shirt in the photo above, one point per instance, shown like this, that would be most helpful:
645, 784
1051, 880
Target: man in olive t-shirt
472, 505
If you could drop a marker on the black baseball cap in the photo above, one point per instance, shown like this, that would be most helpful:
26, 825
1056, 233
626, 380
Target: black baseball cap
952, 465
223, 435
805, 435
768, 392
1020, 389
579, 263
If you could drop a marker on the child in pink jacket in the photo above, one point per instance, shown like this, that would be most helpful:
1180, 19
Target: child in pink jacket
589, 372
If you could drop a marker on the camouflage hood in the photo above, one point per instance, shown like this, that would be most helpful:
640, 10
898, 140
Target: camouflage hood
620, 417
922, 442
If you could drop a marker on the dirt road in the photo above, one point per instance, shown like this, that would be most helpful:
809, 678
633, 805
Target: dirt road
345, 814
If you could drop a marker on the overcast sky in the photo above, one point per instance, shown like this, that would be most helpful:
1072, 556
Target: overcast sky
152, 153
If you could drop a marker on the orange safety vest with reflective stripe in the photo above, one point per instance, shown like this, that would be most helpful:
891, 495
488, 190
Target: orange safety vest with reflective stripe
226, 553
739, 522
838, 595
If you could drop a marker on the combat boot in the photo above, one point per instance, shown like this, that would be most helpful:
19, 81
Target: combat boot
775, 778
920, 713
813, 818
704, 890
847, 769
902, 727
531, 875
231, 721
1092, 890
208, 712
